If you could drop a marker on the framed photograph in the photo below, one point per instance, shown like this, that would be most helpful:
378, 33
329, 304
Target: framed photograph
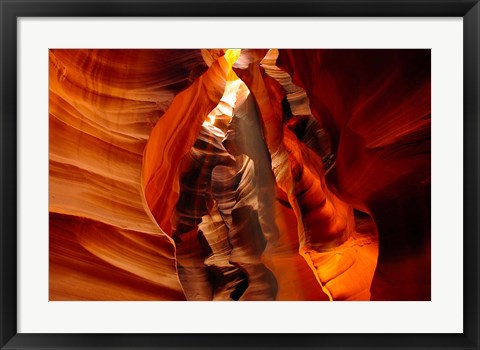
254, 175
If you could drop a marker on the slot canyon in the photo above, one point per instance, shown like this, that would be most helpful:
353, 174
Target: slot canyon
239, 174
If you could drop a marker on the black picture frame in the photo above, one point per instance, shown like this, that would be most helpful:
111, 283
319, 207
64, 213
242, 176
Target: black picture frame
12, 10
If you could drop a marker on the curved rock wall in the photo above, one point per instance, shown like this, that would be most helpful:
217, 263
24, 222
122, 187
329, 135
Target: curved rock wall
103, 106
175, 177
375, 105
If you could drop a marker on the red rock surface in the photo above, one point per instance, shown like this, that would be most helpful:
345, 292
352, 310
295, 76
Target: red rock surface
375, 105
174, 177
103, 106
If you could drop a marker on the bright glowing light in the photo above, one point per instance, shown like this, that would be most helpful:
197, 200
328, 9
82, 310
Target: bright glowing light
232, 55
229, 98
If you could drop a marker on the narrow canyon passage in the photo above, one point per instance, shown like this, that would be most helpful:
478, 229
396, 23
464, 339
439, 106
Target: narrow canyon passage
262, 178
230, 224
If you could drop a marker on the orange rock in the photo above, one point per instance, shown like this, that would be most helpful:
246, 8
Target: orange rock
255, 174
375, 105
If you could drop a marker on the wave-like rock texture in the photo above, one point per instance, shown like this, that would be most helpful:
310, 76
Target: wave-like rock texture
295, 280
215, 225
300, 159
90, 260
228, 280
174, 135
312, 204
103, 107
193, 207
375, 105
235, 191
239, 174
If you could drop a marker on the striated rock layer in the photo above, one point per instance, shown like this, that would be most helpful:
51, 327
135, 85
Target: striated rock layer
103, 106
375, 105
239, 174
